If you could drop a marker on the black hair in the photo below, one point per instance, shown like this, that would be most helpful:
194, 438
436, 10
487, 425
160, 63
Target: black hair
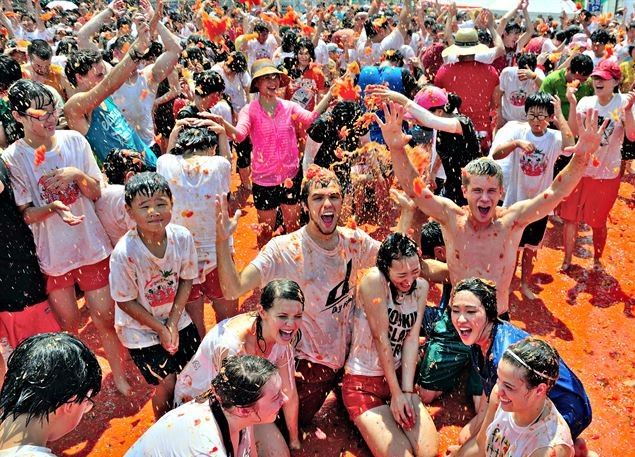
80, 62
600, 36
65, 46
372, 29
45, 372
429, 22
241, 379
453, 104
394, 56
539, 100
305, 43
40, 49
431, 237
261, 27
485, 37
26, 91
527, 61
193, 139
484, 290
581, 64
513, 27
119, 162
120, 42
345, 113
123, 20
193, 54
147, 183
10, 72
237, 62
394, 247
208, 82
274, 290
561, 35
542, 359
289, 41
154, 51
317, 175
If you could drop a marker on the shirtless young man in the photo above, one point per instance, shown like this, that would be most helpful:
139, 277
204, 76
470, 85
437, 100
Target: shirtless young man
324, 259
482, 239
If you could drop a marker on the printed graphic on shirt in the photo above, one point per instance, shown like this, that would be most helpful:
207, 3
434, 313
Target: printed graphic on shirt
607, 132
399, 325
340, 297
305, 90
533, 164
518, 97
497, 444
161, 288
67, 194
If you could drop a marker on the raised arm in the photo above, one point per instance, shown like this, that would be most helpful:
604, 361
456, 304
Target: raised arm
233, 283
529, 27
508, 16
442, 209
527, 211
171, 52
88, 30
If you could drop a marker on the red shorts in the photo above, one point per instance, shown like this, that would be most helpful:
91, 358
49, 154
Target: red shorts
18, 326
210, 288
362, 393
591, 201
89, 277
313, 382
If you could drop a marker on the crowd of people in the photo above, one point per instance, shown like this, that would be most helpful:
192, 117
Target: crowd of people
122, 126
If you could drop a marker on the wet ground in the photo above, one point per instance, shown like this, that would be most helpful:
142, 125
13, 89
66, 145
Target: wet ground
589, 316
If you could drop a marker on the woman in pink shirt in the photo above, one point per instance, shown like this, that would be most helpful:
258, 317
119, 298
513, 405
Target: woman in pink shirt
270, 123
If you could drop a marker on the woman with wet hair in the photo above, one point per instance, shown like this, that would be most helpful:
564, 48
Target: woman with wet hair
270, 332
474, 315
247, 391
378, 385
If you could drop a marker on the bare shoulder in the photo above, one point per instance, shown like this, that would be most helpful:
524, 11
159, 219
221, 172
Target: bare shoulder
372, 281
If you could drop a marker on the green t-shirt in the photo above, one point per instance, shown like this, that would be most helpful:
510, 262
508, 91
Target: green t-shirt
556, 84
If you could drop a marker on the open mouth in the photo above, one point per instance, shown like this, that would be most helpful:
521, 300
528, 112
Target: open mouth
465, 332
286, 335
328, 218
483, 210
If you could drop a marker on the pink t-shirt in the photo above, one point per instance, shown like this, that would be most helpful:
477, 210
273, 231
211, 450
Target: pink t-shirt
275, 155
328, 280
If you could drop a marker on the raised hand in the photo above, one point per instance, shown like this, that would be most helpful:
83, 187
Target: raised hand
225, 225
394, 137
64, 212
589, 134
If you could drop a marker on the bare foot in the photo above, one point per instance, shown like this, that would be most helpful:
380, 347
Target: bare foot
525, 289
564, 267
581, 450
122, 386
597, 265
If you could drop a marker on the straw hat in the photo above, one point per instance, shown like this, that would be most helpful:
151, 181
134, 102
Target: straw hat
465, 44
264, 67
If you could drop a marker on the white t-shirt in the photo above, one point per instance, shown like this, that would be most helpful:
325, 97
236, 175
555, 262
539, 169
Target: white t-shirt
27, 451
111, 211
219, 343
487, 57
609, 155
236, 87
189, 430
526, 175
60, 247
46, 34
136, 274
328, 280
596, 60
321, 53
394, 40
364, 357
367, 52
506, 438
195, 183
515, 92
256, 51
135, 101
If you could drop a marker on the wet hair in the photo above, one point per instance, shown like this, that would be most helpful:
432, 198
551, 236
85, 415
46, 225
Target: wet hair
600, 36
24, 92
483, 166
527, 60
147, 184
237, 62
305, 43
394, 56
123, 21
261, 27
581, 64
193, 139
207, 82
345, 113
10, 72
285, 289
394, 247
240, 381
561, 36
485, 37
154, 51
119, 162
45, 372
119, 44
289, 41
79, 63
539, 100
453, 104
40, 49
193, 54
65, 46
513, 27
539, 361
371, 29
317, 175
431, 237
484, 290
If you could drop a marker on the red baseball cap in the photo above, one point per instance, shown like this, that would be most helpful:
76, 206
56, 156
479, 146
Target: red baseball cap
607, 69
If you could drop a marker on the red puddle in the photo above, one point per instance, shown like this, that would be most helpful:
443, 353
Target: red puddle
584, 314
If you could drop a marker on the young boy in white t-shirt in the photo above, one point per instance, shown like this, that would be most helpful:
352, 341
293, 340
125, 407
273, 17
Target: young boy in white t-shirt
56, 180
527, 152
151, 273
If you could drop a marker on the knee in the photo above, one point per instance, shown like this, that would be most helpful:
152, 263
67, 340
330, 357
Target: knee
428, 396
